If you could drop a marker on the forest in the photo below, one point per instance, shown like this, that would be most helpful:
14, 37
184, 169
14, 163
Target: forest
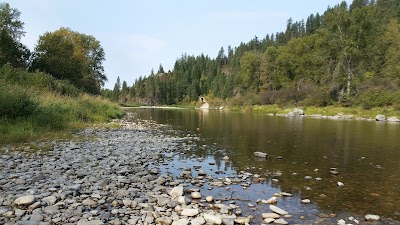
347, 56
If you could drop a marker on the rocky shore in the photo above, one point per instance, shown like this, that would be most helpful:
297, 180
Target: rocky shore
116, 177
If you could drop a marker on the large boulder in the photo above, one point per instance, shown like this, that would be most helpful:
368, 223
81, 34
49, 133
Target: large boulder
393, 119
380, 118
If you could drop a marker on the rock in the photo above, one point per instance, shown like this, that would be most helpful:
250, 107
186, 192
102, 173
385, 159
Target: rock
280, 221
212, 219
261, 154
94, 222
176, 192
190, 212
181, 222
183, 200
198, 221
380, 118
305, 201
25, 200
134, 220
209, 199
50, 200
164, 201
154, 171
371, 217
393, 119
195, 195
341, 222
19, 213
278, 210
298, 112
89, 202
242, 220
270, 215
272, 200
164, 221
269, 220
340, 184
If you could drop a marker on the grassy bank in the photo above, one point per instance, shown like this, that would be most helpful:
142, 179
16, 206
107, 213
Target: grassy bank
35, 105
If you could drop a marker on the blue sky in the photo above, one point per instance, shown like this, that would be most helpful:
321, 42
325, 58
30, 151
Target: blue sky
139, 35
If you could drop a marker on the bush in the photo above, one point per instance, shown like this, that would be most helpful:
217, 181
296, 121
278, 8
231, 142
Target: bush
16, 102
377, 97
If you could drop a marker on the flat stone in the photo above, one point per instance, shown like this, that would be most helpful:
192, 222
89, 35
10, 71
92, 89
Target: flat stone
163, 221
242, 220
190, 212
19, 213
278, 210
281, 221
181, 222
198, 221
306, 201
269, 220
270, 215
89, 202
94, 222
212, 218
25, 200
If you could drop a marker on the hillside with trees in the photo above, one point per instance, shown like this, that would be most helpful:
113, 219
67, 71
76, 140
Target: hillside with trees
347, 56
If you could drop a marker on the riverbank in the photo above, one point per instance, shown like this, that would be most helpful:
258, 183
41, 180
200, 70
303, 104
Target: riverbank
141, 173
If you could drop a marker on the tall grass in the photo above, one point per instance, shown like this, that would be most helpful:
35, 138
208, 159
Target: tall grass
33, 104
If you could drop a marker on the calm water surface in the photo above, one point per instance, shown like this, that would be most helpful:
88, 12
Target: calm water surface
365, 153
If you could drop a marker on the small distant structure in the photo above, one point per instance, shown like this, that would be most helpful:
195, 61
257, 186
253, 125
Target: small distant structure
204, 104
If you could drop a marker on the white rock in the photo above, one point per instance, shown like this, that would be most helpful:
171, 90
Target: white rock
181, 222
340, 184
305, 201
278, 210
270, 215
195, 195
261, 154
25, 200
269, 220
371, 217
176, 192
198, 221
190, 212
242, 220
182, 200
212, 219
393, 119
341, 222
209, 199
280, 221
272, 200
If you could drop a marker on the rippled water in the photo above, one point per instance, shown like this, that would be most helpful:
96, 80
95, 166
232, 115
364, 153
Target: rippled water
365, 153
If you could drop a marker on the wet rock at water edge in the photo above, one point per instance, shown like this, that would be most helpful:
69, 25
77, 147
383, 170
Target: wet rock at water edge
261, 154
380, 118
278, 210
371, 217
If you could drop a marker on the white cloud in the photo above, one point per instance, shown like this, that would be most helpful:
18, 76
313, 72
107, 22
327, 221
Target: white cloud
244, 15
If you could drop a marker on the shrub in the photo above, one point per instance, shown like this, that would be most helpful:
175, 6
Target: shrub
16, 102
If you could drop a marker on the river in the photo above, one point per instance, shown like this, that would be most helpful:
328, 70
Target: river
302, 153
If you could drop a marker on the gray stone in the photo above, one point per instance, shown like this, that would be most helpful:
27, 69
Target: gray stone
19, 213
393, 119
50, 200
198, 221
242, 220
371, 217
195, 195
270, 215
89, 202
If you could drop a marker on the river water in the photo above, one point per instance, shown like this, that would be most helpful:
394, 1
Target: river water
366, 155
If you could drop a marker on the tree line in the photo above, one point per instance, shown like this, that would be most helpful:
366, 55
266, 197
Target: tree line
64, 54
347, 56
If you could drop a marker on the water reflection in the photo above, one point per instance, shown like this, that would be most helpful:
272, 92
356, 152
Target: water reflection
365, 154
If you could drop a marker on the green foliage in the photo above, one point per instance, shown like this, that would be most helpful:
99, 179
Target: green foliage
69, 55
378, 97
32, 104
